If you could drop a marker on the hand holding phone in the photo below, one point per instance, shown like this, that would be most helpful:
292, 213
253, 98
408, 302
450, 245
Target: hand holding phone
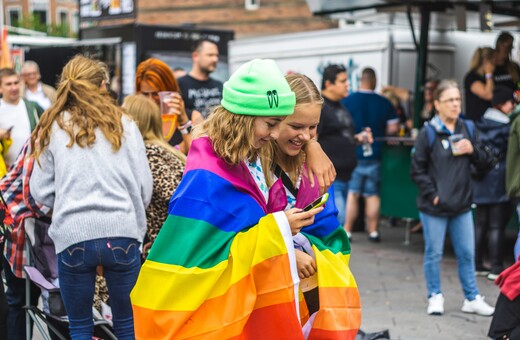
298, 219
317, 202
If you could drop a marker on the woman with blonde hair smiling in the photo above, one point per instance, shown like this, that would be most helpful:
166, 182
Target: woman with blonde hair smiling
166, 162
91, 169
322, 249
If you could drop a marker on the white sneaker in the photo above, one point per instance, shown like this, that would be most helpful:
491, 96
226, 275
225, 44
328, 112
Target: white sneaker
478, 306
436, 304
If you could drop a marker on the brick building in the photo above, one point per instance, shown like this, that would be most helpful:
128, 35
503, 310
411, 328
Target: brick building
48, 12
246, 17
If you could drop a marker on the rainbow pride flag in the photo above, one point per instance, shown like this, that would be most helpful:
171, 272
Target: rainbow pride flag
222, 267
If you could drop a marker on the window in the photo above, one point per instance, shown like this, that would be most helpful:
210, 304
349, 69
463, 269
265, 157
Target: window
63, 16
41, 15
13, 16
252, 5
40, 11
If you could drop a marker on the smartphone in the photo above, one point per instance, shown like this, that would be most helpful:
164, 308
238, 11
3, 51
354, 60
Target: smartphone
317, 202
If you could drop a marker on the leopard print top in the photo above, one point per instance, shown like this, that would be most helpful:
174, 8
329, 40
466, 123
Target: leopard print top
167, 172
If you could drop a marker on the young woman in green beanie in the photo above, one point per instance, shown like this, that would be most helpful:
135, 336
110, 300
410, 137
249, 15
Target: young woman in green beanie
223, 264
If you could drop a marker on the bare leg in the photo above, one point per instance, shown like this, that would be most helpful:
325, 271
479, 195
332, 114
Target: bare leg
372, 212
351, 210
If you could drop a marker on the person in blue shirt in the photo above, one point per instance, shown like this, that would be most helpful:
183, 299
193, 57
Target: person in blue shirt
369, 110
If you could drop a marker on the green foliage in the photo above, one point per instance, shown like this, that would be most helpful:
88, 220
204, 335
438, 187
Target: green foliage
33, 22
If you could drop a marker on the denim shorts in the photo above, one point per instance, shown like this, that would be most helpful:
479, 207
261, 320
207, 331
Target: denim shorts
366, 178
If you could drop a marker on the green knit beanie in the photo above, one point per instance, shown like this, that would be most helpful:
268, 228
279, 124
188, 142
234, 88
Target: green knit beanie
258, 88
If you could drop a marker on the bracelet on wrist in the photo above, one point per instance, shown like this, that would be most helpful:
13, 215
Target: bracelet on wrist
489, 75
186, 127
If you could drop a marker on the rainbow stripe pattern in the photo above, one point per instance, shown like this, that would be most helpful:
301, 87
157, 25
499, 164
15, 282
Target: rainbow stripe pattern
223, 268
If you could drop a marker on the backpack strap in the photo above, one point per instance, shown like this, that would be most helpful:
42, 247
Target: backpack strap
287, 183
470, 127
430, 133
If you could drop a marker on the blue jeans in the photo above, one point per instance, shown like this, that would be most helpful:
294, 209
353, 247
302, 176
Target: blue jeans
517, 244
366, 178
340, 198
120, 258
462, 235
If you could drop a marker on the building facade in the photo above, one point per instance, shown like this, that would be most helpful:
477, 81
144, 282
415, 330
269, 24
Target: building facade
46, 12
247, 18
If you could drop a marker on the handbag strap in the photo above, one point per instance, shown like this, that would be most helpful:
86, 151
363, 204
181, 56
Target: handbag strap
287, 183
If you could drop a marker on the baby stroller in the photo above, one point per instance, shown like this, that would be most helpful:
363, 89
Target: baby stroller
44, 273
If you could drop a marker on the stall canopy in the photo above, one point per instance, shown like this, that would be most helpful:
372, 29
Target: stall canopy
425, 15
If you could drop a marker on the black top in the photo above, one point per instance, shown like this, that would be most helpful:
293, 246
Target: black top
475, 106
336, 137
501, 75
197, 95
200, 95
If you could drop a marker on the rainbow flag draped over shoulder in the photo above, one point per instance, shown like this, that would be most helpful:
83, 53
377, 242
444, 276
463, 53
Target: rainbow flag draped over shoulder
339, 315
221, 267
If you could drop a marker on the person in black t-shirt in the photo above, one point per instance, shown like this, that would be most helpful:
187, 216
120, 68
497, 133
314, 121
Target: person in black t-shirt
478, 83
336, 133
199, 91
507, 72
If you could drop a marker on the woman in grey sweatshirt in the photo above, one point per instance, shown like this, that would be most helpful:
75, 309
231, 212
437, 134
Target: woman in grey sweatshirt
91, 169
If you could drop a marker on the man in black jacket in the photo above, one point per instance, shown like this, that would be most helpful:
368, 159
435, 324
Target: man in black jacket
336, 133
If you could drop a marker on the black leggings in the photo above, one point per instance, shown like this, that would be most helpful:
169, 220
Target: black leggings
490, 225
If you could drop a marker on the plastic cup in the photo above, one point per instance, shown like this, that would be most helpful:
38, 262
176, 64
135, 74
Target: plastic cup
169, 119
165, 96
454, 139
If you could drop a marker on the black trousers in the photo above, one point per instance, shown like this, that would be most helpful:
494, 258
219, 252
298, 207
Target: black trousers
490, 225
506, 320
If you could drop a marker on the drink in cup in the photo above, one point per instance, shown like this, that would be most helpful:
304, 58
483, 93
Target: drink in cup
169, 119
454, 139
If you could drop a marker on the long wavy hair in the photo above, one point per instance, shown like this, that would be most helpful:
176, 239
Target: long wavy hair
147, 116
80, 93
232, 135
158, 74
306, 93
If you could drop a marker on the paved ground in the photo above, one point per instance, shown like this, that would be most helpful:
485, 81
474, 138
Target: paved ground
393, 293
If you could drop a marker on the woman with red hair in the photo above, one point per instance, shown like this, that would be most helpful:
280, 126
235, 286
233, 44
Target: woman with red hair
154, 76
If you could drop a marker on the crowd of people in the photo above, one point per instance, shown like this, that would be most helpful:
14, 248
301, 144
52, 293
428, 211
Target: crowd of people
177, 229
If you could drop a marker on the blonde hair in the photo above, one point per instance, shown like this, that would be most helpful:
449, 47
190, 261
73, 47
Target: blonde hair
89, 106
146, 115
232, 135
480, 55
306, 93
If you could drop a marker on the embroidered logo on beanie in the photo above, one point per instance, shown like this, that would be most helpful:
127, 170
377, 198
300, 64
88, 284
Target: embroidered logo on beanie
258, 88
272, 98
